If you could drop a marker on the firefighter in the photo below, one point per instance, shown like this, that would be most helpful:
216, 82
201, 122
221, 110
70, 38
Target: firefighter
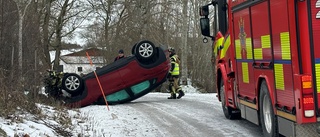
120, 56
173, 76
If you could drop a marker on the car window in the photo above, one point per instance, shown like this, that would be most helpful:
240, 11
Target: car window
140, 87
120, 95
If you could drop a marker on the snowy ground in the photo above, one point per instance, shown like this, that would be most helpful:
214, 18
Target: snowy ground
122, 120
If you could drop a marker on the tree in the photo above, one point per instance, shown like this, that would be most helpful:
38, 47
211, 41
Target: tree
45, 33
110, 24
69, 15
103, 11
58, 33
22, 6
185, 31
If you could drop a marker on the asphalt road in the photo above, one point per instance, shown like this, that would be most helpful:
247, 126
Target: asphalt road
195, 115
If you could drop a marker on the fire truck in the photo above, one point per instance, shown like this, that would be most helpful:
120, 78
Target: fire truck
267, 60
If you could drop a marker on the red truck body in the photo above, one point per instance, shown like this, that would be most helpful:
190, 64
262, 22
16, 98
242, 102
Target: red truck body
268, 62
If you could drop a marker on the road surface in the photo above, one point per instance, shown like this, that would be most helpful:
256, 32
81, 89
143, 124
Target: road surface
195, 115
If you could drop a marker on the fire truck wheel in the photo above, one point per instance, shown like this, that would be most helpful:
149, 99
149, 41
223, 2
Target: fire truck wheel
268, 120
229, 113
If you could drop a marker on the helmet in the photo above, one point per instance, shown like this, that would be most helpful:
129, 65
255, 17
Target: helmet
171, 49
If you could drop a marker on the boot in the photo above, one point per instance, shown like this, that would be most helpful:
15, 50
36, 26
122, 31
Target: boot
173, 96
181, 93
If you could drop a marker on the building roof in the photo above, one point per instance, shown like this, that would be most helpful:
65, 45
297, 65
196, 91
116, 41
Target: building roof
80, 57
91, 52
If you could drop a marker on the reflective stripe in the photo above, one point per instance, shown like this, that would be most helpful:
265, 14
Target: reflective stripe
265, 41
238, 49
285, 45
285, 56
245, 72
225, 46
249, 48
218, 42
176, 70
258, 53
287, 115
249, 104
278, 71
318, 77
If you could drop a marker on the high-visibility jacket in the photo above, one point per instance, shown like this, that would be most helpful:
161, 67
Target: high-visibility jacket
175, 64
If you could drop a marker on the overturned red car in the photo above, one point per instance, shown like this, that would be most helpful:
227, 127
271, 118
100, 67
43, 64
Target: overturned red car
121, 81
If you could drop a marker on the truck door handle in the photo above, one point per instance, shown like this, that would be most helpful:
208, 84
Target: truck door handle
262, 65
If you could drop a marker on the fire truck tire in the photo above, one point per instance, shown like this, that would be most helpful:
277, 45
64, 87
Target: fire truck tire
268, 120
229, 113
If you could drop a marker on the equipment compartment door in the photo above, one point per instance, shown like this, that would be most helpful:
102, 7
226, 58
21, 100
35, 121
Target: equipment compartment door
244, 57
314, 32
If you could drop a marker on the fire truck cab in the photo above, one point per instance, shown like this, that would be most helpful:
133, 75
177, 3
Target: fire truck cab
267, 60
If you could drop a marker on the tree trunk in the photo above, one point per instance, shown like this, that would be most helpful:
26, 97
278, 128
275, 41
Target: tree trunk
45, 30
143, 7
22, 11
185, 26
106, 32
59, 27
106, 23
20, 42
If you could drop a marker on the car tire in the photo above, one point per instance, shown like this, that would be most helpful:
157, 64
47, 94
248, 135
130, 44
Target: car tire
133, 50
72, 83
144, 50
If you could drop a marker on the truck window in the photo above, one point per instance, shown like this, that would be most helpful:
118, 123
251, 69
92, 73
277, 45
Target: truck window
220, 22
215, 23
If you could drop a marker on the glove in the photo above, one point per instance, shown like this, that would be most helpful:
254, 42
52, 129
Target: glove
169, 75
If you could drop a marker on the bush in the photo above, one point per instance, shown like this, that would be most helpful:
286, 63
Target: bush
2, 133
16, 99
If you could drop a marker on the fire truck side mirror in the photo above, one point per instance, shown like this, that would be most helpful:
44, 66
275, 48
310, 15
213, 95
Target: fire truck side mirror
204, 10
205, 27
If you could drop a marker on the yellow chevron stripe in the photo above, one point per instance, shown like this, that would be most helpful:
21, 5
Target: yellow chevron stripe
226, 45
238, 49
245, 72
217, 45
285, 45
278, 70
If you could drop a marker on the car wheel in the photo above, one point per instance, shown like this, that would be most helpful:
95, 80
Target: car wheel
144, 50
229, 113
72, 83
268, 119
134, 49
